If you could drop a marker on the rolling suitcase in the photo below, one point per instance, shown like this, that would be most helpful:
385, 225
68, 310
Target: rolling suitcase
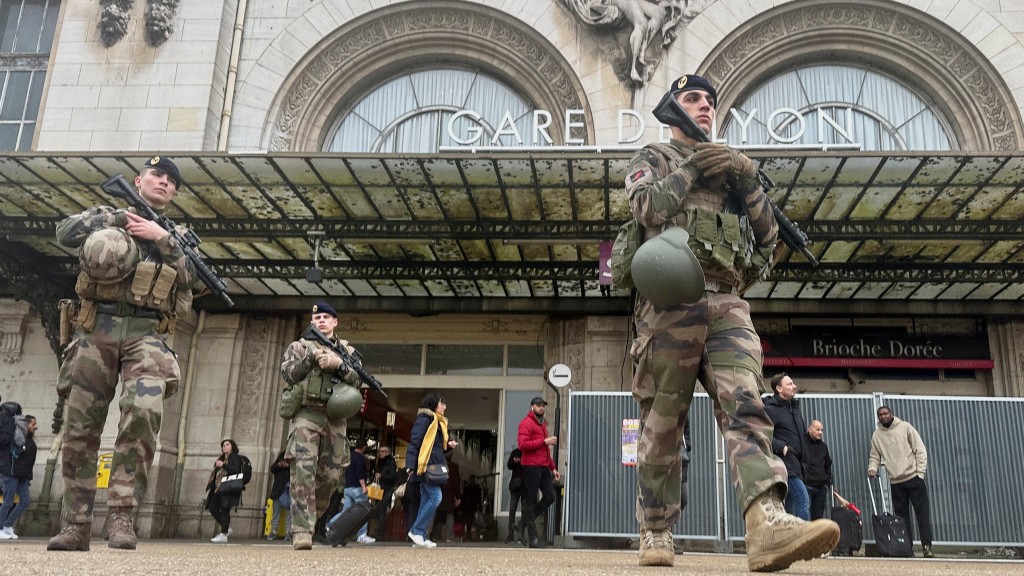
851, 529
891, 536
344, 525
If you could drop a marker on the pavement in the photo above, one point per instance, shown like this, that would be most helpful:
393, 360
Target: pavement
258, 557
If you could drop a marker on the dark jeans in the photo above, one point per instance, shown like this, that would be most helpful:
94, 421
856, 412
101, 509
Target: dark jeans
513, 505
220, 514
538, 478
819, 496
913, 492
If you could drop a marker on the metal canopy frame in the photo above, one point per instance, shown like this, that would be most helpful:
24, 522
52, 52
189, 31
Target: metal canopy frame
494, 226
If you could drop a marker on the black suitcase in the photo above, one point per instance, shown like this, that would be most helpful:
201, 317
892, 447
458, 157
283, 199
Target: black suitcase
891, 536
344, 525
851, 531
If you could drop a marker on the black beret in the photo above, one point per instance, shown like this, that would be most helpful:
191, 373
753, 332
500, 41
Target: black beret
166, 166
689, 82
324, 308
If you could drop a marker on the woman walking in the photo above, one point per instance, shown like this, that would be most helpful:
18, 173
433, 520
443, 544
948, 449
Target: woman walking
427, 445
218, 501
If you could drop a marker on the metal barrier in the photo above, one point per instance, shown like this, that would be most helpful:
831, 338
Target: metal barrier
975, 465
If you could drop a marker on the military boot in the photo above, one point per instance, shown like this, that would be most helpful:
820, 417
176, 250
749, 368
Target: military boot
120, 528
776, 539
656, 548
302, 541
71, 537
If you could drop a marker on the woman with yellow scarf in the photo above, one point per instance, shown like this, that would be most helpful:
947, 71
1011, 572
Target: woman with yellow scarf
426, 463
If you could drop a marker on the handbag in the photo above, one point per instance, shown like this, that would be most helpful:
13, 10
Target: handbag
436, 474
285, 499
400, 491
232, 484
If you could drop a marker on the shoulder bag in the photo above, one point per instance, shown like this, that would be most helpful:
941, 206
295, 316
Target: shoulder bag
436, 474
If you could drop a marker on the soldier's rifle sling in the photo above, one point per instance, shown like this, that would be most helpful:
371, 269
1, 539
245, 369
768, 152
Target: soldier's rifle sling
118, 187
670, 112
350, 360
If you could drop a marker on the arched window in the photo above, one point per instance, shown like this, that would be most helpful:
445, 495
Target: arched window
411, 114
886, 114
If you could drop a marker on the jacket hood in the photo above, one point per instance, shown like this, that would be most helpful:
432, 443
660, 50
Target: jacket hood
895, 423
12, 407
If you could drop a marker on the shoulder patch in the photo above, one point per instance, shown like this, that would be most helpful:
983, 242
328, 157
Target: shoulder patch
639, 176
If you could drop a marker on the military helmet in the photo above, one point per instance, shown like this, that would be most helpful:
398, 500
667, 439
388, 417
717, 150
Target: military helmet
666, 272
109, 255
345, 402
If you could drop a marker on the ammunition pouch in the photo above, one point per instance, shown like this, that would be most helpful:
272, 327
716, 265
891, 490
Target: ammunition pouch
87, 315
68, 316
627, 241
724, 244
291, 402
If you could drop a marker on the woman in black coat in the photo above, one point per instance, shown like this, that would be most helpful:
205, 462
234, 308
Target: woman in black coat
218, 502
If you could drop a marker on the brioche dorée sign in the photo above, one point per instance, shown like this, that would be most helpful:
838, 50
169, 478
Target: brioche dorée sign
933, 352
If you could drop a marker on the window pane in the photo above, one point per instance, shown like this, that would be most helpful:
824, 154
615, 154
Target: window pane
465, 359
52, 11
14, 96
27, 130
35, 94
9, 12
379, 359
31, 26
9, 137
525, 361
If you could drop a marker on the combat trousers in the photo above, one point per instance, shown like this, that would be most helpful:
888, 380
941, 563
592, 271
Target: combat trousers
713, 339
317, 453
89, 375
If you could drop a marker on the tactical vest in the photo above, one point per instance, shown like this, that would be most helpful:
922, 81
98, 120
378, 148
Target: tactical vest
723, 241
152, 285
317, 385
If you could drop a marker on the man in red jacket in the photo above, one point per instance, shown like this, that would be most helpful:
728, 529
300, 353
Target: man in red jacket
538, 468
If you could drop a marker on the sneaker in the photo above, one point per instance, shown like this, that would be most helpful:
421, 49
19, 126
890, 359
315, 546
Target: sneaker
366, 539
927, 550
429, 543
417, 540
228, 533
271, 537
656, 548
5, 535
220, 538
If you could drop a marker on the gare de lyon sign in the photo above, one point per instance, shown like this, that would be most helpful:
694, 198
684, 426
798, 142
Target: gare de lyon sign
473, 139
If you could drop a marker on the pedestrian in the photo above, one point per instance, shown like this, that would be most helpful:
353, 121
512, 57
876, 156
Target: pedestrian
817, 469
470, 503
317, 447
714, 192
220, 500
386, 475
17, 479
783, 408
898, 445
538, 470
516, 488
135, 283
425, 459
355, 487
280, 496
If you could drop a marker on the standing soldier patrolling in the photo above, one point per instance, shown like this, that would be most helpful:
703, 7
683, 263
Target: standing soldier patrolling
321, 394
134, 284
713, 192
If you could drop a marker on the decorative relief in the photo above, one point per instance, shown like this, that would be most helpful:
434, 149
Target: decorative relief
351, 46
914, 35
249, 397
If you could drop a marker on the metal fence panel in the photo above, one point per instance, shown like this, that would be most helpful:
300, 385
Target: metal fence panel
975, 466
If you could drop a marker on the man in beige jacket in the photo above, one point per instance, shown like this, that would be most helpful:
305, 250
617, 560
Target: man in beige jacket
898, 445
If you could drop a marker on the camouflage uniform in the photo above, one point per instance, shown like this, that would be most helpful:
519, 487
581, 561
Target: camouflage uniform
712, 339
317, 448
130, 346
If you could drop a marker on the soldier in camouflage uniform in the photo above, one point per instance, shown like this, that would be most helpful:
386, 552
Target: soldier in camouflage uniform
317, 449
714, 193
134, 284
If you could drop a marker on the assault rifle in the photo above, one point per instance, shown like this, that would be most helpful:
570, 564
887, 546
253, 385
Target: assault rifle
353, 361
118, 187
670, 112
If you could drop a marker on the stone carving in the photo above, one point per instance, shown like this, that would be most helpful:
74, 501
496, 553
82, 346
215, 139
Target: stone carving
115, 15
647, 21
13, 327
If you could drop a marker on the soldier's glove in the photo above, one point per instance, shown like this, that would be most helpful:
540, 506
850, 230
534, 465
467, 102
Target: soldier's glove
714, 159
58, 415
328, 360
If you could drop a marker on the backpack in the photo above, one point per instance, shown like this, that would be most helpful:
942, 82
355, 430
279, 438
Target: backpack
20, 435
246, 469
